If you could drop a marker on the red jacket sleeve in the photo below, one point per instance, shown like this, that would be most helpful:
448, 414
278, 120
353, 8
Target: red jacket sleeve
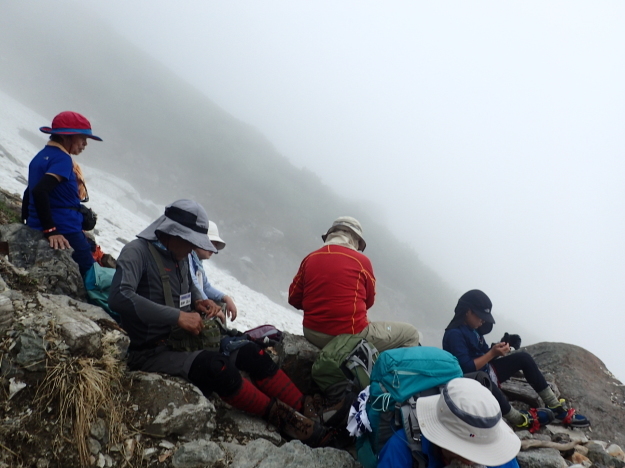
370, 285
296, 290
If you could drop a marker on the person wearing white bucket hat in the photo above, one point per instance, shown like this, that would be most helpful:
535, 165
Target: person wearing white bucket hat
153, 293
460, 427
199, 275
335, 287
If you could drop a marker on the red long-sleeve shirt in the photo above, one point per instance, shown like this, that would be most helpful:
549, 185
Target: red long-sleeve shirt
334, 287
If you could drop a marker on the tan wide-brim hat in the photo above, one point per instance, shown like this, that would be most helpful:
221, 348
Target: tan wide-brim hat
352, 225
466, 420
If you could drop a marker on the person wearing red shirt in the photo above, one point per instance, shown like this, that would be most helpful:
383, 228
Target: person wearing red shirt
335, 286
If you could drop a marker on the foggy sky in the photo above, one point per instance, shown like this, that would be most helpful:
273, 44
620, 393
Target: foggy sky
488, 133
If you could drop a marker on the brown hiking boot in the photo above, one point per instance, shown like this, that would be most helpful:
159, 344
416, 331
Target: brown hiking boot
311, 405
318, 409
295, 425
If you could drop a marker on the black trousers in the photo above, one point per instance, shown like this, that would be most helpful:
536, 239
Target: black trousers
507, 366
211, 371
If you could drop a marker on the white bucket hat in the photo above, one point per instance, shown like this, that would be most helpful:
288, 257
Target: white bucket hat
213, 236
183, 218
350, 223
466, 420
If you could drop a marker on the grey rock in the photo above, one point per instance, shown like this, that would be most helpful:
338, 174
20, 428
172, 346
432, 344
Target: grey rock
573, 434
94, 446
599, 456
53, 270
198, 454
523, 435
587, 385
99, 430
541, 458
174, 407
252, 427
232, 449
90, 311
616, 451
82, 324
82, 335
263, 454
520, 390
32, 351
3, 285
6, 312
296, 357
597, 445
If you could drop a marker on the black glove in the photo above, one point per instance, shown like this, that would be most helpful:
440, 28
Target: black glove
513, 340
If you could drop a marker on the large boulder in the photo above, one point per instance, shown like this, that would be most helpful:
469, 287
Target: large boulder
585, 382
296, 357
53, 271
263, 454
6, 307
170, 406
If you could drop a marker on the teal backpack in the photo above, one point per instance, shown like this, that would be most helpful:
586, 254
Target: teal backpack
98, 281
399, 377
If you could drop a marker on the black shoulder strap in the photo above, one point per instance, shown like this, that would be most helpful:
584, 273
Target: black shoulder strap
169, 299
413, 432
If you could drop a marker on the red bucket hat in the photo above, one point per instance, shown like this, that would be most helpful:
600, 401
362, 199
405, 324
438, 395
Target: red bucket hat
70, 123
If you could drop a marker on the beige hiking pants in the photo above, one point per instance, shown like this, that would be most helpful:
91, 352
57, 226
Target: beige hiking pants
382, 335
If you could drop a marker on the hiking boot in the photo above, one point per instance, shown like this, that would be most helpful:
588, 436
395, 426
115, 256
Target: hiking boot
294, 425
328, 414
535, 418
569, 416
311, 405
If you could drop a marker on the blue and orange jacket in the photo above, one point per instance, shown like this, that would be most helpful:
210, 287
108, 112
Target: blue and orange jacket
334, 287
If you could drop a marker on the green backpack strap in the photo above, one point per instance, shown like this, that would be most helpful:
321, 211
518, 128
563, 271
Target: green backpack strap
179, 339
169, 298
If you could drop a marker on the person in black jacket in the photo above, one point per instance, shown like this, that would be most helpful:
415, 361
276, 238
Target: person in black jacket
464, 338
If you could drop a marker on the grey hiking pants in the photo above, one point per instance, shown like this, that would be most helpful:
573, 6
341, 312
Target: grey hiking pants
382, 335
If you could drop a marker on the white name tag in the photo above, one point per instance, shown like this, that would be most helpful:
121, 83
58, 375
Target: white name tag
185, 300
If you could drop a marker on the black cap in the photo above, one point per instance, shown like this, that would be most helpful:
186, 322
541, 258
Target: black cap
479, 303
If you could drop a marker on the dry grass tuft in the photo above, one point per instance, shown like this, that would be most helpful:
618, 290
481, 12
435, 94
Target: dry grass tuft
80, 388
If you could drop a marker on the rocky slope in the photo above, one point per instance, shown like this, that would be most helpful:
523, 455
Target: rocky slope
67, 399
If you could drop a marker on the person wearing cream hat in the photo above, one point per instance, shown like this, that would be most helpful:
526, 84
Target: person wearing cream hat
199, 275
335, 287
460, 427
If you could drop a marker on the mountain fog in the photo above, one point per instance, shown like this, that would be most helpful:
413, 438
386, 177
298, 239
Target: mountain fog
485, 138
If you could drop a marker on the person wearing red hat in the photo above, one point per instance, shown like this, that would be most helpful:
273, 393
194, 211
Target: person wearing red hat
56, 187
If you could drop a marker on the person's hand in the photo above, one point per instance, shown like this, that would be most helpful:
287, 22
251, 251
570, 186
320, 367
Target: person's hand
207, 307
191, 322
513, 340
58, 241
220, 315
231, 309
500, 349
